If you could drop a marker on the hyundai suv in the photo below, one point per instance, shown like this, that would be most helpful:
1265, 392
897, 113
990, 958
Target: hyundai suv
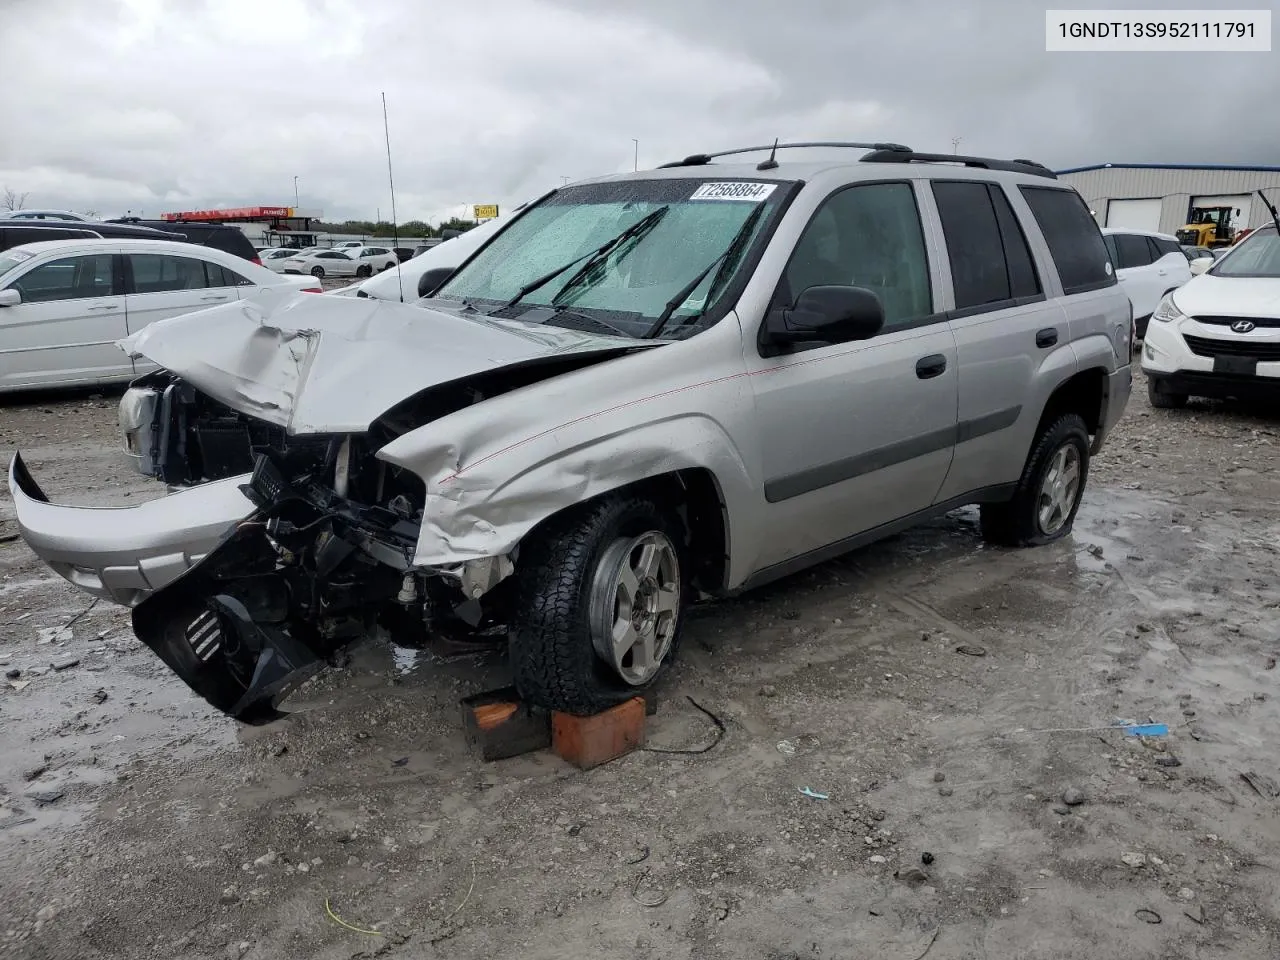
642, 390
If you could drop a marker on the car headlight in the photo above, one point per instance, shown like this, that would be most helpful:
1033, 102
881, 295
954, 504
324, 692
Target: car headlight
137, 411
1168, 311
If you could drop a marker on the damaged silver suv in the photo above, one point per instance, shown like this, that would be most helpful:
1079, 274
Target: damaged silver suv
643, 390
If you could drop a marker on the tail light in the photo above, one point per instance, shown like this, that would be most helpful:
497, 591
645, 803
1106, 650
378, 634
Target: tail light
257, 260
312, 290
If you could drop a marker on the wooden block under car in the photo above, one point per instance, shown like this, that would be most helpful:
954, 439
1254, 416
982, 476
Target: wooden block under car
587, 742
499, 725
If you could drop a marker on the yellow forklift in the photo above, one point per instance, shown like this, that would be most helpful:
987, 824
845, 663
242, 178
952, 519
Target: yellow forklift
1208, 227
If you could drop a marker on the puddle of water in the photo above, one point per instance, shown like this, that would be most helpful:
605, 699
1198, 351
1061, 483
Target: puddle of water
404, 660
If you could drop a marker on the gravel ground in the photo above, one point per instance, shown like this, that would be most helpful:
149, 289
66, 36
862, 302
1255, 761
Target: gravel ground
947, 702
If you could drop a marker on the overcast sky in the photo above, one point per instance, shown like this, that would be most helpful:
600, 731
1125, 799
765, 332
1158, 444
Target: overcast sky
161, 105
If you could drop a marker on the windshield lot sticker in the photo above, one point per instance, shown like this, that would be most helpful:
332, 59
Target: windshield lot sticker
750, 192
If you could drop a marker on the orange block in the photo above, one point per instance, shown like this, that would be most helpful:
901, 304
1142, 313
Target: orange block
587, 742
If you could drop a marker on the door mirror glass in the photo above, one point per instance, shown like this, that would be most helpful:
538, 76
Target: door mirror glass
432, 280
10, 298
830, 314
1201, 265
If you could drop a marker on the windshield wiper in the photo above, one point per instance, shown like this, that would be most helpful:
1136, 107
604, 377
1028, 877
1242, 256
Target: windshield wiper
730, 254
636, 231
640, 226
1275, 217
570, 311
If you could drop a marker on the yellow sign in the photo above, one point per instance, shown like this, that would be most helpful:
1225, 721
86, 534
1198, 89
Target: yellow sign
485, 211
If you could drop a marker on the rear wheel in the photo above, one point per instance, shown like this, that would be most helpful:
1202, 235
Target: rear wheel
599, 606
1044, 505
1162, 398
318, 272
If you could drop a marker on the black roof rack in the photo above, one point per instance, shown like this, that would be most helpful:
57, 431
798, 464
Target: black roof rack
985, 163
701, 159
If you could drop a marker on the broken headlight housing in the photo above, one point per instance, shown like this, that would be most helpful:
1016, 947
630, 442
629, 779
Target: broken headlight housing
136, 417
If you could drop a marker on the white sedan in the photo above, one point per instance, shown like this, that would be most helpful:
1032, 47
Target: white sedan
64, 304
348, 262
273, 258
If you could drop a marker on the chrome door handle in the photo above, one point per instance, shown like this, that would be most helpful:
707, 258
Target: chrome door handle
106, 306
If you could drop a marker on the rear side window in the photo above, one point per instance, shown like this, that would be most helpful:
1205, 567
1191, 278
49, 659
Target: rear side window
1165, 247
230, 278
1073, 238
991, 264
1132, 250
163, 273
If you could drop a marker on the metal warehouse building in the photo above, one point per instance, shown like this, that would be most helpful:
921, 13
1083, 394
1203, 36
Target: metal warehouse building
1159, 196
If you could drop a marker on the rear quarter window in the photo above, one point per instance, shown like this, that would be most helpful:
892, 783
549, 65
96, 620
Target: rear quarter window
1073, 238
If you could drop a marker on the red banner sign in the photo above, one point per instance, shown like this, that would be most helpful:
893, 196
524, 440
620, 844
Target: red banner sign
233, 213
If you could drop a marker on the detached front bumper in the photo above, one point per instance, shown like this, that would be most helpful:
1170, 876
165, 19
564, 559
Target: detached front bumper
125, 554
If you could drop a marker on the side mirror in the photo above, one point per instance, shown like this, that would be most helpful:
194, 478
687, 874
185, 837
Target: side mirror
834, 314
433, 280
1201, 265
10, 298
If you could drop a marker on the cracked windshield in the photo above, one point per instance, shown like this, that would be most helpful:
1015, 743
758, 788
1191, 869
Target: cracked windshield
620, 253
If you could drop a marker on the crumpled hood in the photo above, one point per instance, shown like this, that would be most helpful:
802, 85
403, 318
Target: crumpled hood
316, 364
1229, 296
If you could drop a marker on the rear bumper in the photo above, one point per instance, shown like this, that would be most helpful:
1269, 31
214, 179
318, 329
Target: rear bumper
125, 554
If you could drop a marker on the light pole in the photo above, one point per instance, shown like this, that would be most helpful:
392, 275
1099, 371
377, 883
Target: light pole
637, 160
563, 181
295, 193
955, 145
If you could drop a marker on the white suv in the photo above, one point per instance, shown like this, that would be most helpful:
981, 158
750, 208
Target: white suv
1219, 336
1149, 266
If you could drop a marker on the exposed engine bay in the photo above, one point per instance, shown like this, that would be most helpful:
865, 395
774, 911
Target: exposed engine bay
325, 559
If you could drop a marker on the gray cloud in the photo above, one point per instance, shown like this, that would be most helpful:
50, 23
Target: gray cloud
158, 106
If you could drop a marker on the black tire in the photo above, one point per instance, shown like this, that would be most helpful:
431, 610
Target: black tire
553, 659
364, 270
1016, 522
318, 272
1163, 399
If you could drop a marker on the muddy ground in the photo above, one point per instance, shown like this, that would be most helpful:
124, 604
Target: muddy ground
138, 823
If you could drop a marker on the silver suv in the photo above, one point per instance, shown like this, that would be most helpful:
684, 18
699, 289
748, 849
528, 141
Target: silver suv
643, 390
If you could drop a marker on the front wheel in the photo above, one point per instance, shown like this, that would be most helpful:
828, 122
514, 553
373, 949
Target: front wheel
1048, 494
318, 272
600, 600
364, 270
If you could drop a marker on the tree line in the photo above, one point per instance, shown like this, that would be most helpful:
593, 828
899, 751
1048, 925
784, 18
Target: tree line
384, 228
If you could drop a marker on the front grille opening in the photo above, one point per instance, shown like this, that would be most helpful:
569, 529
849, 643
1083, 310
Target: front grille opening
205, 636
1205, 347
